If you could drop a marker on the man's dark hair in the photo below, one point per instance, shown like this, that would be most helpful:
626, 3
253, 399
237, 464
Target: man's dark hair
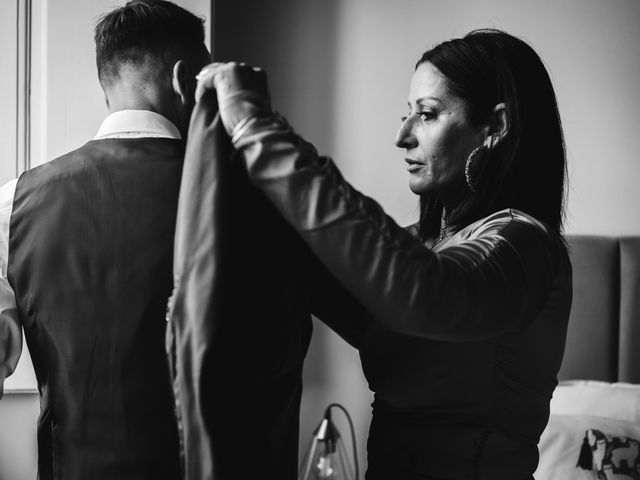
527, 169
144, 29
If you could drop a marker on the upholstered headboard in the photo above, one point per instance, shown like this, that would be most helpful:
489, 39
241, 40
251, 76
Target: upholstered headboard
603, 341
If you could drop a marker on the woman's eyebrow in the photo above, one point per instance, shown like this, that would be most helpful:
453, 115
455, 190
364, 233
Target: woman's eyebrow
422, 100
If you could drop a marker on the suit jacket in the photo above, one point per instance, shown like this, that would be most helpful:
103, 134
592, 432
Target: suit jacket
239, 318
90, 258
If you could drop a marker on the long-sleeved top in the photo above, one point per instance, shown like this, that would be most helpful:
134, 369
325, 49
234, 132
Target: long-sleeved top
472, 332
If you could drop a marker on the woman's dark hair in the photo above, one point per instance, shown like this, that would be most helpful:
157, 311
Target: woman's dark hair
527, 169
143, 28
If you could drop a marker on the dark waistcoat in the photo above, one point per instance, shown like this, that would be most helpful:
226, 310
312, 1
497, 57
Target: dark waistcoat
90, 259
240, 318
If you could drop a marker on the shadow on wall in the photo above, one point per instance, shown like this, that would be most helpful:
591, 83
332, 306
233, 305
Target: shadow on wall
261, 33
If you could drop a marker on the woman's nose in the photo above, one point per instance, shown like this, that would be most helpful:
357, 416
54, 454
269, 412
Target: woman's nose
405, 137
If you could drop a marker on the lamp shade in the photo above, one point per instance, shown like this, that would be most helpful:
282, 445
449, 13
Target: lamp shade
326, 457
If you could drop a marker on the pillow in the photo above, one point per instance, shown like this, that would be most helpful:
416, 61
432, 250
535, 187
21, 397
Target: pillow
600, 399
580, 407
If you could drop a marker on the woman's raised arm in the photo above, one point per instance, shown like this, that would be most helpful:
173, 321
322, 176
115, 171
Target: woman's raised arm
495, 280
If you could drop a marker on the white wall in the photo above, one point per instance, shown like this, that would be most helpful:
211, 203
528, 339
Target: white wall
8, 93
340, 70
18, 447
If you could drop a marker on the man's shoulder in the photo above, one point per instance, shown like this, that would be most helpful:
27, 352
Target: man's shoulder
63, 162
96, 151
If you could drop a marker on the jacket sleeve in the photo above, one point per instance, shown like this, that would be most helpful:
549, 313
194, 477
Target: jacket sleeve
10, 329
487, 285
337, 308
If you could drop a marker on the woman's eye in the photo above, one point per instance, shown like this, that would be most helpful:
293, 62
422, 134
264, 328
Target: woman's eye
424, 116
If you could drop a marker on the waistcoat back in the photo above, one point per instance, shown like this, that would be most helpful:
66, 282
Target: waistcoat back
90, 262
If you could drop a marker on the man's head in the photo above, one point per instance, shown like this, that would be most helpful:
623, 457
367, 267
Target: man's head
148, 53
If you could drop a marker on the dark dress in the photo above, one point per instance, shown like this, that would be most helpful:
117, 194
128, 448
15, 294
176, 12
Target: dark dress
461, 344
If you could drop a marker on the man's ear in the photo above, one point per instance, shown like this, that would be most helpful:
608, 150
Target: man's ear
179, 81
499, 125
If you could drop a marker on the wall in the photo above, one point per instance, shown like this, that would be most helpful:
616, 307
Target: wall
8, 91
18, 448
340, 69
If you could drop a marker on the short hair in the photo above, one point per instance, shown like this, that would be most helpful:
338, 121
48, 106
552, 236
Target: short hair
527, 169
142, 29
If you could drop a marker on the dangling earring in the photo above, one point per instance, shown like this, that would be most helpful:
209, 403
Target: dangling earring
475, 153
468, 165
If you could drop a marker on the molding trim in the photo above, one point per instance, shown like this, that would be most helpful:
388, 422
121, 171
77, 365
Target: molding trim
23, 85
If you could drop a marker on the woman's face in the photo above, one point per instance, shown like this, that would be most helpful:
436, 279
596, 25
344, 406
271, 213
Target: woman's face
437, 137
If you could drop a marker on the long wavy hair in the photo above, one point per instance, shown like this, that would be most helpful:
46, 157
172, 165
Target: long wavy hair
527, 170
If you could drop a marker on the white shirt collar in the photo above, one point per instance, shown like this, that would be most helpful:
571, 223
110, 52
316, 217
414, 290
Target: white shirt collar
136, 124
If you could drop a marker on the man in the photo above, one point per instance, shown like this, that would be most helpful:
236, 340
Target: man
86, 246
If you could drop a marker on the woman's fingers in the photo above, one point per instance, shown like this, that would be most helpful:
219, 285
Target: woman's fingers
206, 79
240, 88
229, 78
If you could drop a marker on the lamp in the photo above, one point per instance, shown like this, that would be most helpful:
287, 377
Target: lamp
326, 457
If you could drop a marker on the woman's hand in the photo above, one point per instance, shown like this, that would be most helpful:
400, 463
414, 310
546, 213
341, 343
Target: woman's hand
241, 90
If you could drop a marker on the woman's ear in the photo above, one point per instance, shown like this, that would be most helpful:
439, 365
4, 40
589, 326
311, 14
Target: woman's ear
179, 81
499, 125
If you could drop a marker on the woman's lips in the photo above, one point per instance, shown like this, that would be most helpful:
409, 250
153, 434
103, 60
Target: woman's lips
412, 166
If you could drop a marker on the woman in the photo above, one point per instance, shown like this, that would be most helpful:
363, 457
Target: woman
469, 307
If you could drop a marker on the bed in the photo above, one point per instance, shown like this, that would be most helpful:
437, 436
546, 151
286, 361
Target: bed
594, 427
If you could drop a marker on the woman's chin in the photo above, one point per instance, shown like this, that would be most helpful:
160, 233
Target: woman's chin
419, 186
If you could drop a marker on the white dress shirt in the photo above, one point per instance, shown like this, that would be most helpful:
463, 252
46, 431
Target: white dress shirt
122, 124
